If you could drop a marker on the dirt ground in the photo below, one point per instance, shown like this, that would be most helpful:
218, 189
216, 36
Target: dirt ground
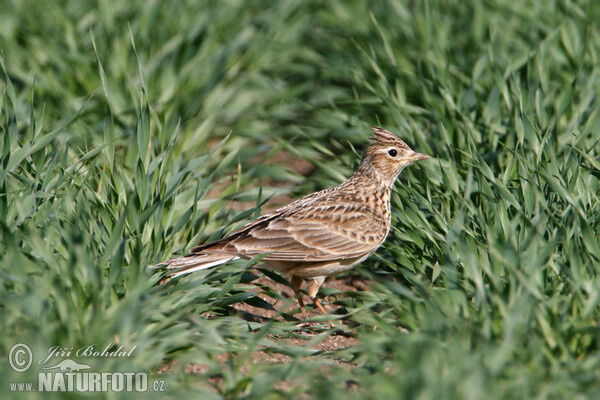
335, 341
344, 284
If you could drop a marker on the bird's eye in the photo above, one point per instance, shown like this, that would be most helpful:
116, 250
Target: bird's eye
393, 152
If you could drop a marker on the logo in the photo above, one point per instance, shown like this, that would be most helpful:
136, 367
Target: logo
68, 375
20, 357
69, 366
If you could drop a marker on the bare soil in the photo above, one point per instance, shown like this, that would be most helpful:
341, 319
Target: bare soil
335, 341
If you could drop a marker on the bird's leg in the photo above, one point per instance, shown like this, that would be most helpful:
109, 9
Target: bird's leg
312, 289
319, 306
296, 283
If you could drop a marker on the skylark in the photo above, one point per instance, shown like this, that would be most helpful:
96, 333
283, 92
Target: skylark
322, 234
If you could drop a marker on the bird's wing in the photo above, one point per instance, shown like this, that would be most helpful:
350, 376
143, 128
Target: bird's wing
313, 233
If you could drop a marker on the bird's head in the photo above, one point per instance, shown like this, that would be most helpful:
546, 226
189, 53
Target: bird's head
388, 155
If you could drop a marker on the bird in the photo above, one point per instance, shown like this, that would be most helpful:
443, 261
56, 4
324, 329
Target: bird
319, 235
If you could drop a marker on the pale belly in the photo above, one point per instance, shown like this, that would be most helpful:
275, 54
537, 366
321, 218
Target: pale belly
312, 269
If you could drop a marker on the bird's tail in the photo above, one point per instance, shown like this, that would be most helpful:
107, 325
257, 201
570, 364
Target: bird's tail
191, 263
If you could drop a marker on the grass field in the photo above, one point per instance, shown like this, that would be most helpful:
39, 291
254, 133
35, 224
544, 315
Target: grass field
132, 131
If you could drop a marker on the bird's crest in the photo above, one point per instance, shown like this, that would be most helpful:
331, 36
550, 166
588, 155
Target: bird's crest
385, 137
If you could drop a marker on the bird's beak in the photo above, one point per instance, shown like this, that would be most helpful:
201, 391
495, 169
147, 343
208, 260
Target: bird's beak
417, 157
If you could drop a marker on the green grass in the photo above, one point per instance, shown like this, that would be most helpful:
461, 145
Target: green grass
130, 130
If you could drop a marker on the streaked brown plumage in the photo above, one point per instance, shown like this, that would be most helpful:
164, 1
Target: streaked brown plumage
322, 234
